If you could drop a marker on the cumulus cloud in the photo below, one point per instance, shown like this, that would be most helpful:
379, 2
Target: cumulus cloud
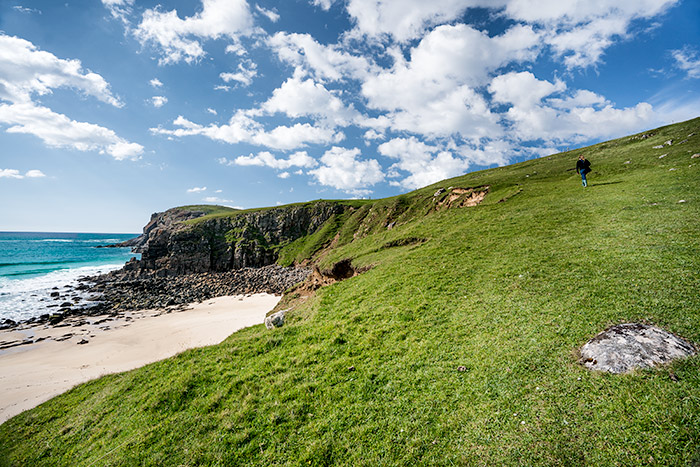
269, 14
244, 129
579, 116
180, 39
688, 61
57, 130
216, 199
245, 74
579, 31
119, 9
407, 19
14, 173
324, 62
324, 4
196, 189
341, 169
26, 71
426, 164
267, 159
434, 94
298, 97
23, 9
155, 82
158, 101
10, 173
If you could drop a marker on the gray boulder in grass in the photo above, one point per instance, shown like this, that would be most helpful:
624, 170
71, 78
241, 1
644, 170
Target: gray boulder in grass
275, 320
625, 347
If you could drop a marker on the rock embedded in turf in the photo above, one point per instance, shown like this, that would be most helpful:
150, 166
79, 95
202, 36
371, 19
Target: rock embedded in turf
625, 347
275, 320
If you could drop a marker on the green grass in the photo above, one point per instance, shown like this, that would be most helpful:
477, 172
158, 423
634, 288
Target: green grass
366, 372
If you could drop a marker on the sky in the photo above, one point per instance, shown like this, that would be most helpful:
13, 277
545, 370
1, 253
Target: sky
111, 110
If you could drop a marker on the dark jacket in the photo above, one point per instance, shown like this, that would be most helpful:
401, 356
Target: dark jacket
584, 165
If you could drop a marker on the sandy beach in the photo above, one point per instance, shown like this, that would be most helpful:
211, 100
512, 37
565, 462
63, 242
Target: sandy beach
64, 356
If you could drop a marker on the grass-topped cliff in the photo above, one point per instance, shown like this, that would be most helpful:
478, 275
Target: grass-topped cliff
457, 346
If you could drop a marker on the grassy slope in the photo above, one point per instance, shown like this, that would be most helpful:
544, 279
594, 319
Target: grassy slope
507, 290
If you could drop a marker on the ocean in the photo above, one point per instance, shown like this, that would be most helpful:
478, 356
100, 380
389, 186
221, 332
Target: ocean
33, 263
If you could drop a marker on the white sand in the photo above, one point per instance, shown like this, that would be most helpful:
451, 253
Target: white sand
34, 373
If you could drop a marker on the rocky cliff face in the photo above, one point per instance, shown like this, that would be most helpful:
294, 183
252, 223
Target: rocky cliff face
169, 246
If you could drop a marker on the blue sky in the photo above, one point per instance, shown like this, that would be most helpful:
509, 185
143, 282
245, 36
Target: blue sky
111, 110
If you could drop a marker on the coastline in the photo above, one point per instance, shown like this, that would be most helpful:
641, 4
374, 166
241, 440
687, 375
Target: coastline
55, 358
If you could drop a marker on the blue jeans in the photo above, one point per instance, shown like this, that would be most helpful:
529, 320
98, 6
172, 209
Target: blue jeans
583, 178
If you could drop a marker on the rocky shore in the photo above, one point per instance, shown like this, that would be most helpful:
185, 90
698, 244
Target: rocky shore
120, 291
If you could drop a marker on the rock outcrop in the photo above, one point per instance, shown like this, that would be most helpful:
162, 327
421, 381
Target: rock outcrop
625, 347
171, 246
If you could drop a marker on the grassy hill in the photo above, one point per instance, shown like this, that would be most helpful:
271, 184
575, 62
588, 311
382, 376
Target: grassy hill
457, 347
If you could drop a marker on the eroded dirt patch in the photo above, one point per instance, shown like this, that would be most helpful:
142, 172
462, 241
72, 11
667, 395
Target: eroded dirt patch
456, 197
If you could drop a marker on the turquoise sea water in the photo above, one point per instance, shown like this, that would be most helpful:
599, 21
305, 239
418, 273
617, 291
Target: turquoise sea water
32, 263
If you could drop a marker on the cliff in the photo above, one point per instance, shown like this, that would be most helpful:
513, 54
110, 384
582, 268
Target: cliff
189, 240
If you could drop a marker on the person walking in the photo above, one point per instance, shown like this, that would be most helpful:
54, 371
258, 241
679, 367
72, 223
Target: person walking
583, 166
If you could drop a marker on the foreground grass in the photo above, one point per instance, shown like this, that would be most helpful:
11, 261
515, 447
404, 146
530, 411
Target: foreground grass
460, 350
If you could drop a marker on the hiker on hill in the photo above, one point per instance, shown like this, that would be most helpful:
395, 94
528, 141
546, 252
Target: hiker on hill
583, 166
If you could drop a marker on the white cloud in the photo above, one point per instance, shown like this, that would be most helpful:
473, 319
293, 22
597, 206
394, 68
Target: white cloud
298, 98
23, 9
57, 130
10, 173
283, 175
324, 62
269, 14
158, 101
434, 94
406, 19
26, 71
211, 111
119, 8
155, 82
266, 159
342, 170
579, 31
578, 117
243, 129
687, 60
244, 75
419, 160
196, 189
14, 173
373, 135
522, 89
324, 4
215, 199
179, 39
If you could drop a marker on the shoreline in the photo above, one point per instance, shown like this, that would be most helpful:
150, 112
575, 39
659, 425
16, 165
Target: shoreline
54, 359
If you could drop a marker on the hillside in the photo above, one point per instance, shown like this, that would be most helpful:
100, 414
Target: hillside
457, 344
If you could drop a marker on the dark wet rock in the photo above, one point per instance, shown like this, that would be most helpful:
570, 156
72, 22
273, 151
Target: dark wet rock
625, 347
55, 294
83, 341
9, 344
7, 324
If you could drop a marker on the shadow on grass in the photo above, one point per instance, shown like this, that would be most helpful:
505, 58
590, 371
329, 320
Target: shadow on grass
606, 183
